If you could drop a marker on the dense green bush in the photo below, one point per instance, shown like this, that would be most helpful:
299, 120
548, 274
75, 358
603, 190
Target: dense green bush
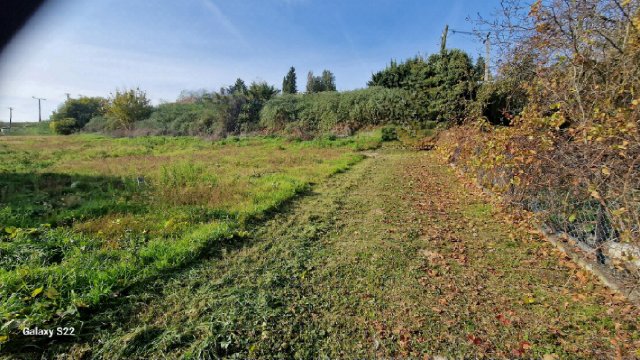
174, 118
128, 106
451, 88
429, 124
389, 133
81, 110
498, 102
258, 94
338, 113
501, 100
217, 116
64, 126
97, 124
440, 88
233, 110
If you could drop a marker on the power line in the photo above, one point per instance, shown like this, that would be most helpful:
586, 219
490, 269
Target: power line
486, 42
462, 32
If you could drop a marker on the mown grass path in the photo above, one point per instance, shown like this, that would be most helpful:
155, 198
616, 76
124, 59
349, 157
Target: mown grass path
394, 258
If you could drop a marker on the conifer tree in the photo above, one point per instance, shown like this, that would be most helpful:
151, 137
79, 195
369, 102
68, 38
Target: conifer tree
311, 83
328, 81
289, 82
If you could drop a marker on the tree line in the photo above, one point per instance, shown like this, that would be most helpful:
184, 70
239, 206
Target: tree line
441, 87
232, 109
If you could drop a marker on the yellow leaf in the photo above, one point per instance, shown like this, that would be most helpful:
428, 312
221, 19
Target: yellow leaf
80, 304
606, 171
51, 293
3, 338
619, 212
36, 292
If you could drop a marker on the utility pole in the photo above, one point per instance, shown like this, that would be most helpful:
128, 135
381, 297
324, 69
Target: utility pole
39, 108
10, 117
443, 41
487, 43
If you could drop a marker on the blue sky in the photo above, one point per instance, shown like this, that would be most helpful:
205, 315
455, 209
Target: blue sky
165, 46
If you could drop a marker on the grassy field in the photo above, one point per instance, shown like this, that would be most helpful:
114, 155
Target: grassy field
394, 258
30, 128
83, 218
213, 255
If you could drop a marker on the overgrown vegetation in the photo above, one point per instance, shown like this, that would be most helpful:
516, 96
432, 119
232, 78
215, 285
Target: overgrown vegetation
64, 126
441, 87
398, 259
568, 88
126, 107
28, 128
393, 259
389, 133
338, 113
80, 221
231, 111
74, 114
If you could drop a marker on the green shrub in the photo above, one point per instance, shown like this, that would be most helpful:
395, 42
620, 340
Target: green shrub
389, 133
336, 113
64, 126
82, 109
128, 106
500, 101
440, 87
97, 124
231, 111
211, 117
280, 111
429, 125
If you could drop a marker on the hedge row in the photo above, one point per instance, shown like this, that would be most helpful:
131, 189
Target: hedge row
336, 112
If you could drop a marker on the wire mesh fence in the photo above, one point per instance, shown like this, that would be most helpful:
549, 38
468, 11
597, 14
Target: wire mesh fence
586, 221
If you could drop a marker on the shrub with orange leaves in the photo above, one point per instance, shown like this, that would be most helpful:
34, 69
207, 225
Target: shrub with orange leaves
573, 152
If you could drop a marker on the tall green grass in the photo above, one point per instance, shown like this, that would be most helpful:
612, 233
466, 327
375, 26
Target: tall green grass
86, 217
30, 128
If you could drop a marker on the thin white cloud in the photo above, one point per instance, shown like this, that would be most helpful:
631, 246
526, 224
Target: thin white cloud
94, 70
224, 21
